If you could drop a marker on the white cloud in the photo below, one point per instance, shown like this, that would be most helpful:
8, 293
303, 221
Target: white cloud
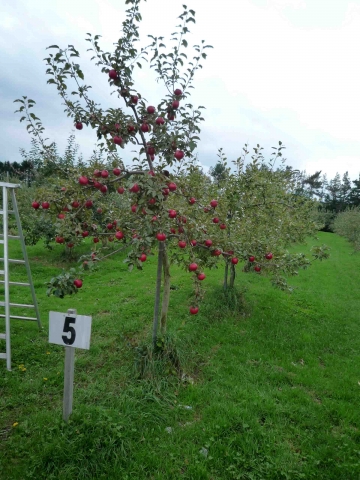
280, 70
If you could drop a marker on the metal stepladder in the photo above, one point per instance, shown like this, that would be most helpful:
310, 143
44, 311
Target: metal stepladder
9, 189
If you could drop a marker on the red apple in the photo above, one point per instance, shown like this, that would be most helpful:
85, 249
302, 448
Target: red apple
150, 150
161, 237
182, 244
70, 245
45, 205
78, 126
35, 205
257, 268
172, 186
192, 200
117, 140
104, 174
134, 208
113, 74
269, 256
97, 184
252, 259
135, 188
201, 276
206, 210
178, 92
171, 116
88, 204
172, 230
216, 220
160, 121
96, 240
166, 191
78, 283
119, 235
179, 154
216, 252
142, 257
151, 173
172, 213
222, 226
85, 233
103, 189
144, 127
121, 190
59, 240
61, 216
214, 203
194, 310
131, 128
234, 260
175, 104
109, 226
150, 109
99, 210
97, 173
193, 243
180, 230
75, 204
193, 267
152, 201
83, 180
154, 218
208, 243
134, 99
116, 171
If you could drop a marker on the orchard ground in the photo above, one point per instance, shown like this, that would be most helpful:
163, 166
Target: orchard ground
261, 385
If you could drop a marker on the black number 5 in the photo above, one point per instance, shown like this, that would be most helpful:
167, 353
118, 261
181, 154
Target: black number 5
69, 329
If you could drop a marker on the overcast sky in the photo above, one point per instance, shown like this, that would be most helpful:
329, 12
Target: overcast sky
284, 70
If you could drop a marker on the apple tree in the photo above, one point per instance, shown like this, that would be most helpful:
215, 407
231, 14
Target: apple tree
158, 200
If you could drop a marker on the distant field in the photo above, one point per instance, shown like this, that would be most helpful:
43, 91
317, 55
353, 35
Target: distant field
269, 385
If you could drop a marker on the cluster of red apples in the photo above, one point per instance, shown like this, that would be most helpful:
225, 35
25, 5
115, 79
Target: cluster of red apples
118, 234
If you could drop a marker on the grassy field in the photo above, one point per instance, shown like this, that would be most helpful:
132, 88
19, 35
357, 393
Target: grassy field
268, 385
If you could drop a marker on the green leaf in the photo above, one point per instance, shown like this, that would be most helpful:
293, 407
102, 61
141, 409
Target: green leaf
52, 46
80, 74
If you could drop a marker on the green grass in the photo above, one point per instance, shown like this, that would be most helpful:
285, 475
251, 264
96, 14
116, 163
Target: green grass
269, 387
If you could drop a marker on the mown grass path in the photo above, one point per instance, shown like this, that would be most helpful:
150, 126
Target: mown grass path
267, 391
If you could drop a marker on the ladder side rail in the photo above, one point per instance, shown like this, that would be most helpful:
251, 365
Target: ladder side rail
6, 278
27, 265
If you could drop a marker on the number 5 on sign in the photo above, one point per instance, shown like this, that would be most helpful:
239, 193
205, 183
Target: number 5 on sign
70, 330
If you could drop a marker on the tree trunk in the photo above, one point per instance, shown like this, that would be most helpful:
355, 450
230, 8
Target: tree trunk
158, 292
166, 293
232, 275
226, 275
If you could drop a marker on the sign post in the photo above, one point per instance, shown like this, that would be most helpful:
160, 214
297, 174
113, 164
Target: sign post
72, 331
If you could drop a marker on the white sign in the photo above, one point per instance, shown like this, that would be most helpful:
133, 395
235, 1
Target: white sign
70, 330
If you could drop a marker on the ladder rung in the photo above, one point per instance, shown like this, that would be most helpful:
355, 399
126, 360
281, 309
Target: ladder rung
3, 336
1, 242
9, 211
2, 304
12, 260
15, 283
3, 355
10, 236
16, 317
2, 273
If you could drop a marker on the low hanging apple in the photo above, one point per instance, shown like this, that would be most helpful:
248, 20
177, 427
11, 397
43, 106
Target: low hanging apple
78, 283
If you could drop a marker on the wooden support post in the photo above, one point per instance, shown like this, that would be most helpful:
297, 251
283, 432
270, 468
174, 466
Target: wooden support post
69, 376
